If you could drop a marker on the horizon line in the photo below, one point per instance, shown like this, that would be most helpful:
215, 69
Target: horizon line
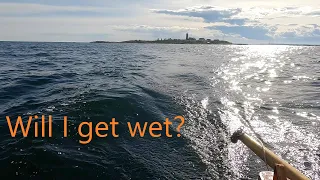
288, 44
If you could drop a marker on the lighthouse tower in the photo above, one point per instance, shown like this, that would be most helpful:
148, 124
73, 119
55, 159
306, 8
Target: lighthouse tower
187, 36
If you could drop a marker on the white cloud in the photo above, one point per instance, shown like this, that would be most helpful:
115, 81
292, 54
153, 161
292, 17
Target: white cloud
153, 28
24, 8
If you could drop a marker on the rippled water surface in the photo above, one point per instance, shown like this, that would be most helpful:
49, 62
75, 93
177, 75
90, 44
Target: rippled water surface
272, 91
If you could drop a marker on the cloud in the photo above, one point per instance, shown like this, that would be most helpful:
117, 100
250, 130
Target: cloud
236, 21
21, 8
301, 32
146, 28
306, 34
314, 13
286, 11
249, 32
239, 16
208, 14
158, 31
36, 10
316, 32
302, 11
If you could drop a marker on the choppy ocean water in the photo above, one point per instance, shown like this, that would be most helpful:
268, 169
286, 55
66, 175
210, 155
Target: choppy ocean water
272, 91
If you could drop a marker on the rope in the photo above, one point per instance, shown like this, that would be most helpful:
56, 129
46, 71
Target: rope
264, 153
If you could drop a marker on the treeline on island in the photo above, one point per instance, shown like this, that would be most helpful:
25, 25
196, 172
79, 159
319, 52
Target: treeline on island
173, 41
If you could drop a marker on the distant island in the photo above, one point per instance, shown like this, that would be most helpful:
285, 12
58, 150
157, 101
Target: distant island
188, 40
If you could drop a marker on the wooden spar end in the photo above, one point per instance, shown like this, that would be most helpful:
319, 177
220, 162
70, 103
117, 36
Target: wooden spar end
236, 135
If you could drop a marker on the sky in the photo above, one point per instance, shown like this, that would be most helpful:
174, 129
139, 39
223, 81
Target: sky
238, 21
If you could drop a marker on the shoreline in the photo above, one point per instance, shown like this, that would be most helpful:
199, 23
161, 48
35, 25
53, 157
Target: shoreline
195, 42
170, 41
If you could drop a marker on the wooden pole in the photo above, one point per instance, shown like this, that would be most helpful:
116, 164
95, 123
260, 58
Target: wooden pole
268, 156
